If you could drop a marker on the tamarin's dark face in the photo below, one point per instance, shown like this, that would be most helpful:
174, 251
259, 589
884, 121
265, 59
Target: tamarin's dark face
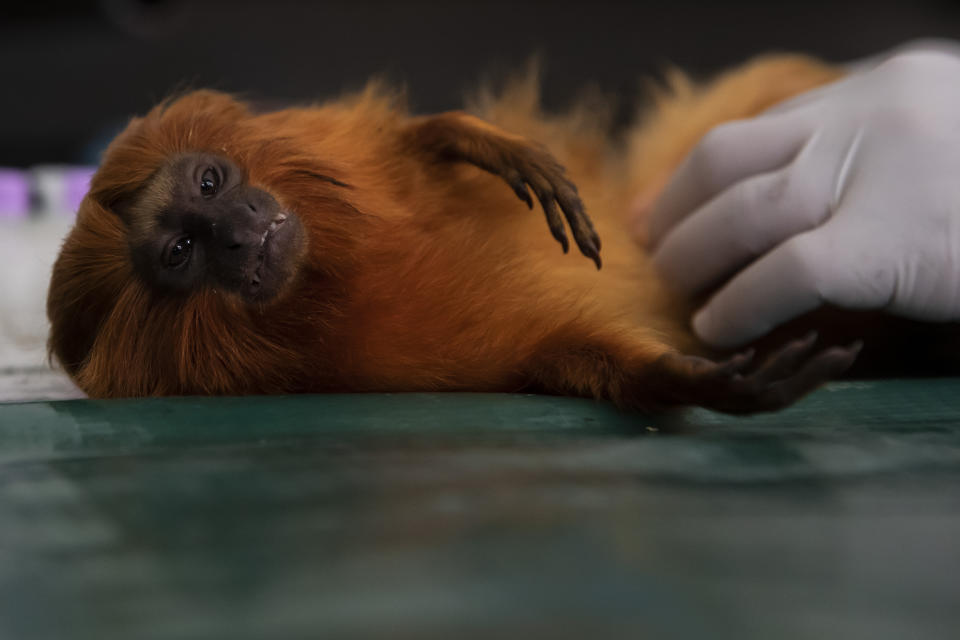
198, 223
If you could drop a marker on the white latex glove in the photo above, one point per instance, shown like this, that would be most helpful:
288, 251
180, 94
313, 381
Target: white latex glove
848, 195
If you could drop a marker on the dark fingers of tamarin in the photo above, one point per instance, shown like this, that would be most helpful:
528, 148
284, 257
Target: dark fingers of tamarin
731, 386
523, 164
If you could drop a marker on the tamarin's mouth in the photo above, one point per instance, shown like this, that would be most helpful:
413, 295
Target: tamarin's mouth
266, 239
274, 225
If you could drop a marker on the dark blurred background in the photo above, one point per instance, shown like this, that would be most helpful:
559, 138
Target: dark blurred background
75, 71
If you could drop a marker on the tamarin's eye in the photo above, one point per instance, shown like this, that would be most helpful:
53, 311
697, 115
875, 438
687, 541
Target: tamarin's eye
209, 183
178, 253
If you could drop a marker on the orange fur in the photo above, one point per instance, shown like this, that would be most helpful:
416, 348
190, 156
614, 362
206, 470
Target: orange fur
420, 274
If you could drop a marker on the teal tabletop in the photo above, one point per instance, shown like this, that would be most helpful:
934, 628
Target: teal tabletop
471, 515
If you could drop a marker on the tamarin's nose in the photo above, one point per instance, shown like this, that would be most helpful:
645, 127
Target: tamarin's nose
237, 228
238, 237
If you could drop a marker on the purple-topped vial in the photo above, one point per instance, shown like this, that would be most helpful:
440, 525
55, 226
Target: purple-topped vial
76, 184
14, 195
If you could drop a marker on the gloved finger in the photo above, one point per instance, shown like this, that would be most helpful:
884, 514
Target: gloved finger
745, 221
805, 99
727, 154
927, 45
780, 286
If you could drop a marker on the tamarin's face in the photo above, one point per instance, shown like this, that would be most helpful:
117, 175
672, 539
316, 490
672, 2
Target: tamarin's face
198, 223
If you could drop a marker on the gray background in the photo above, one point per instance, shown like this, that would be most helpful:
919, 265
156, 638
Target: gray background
75, 71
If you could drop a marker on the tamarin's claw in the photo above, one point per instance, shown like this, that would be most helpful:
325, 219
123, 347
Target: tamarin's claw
519, 187
534, 166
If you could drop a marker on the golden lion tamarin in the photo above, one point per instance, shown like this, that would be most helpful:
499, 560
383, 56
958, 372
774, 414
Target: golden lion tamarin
353, 247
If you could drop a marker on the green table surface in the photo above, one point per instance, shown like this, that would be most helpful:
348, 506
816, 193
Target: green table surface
469, 515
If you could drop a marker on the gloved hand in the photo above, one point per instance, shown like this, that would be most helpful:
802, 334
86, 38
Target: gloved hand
848, 195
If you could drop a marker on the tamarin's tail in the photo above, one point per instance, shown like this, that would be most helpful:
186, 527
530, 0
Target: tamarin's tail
578, 136
674, 116
680, 112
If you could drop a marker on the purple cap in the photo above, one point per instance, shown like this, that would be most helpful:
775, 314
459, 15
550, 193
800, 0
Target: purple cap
14, 194
76, 185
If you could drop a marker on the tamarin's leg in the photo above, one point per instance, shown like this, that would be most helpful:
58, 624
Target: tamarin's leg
645, 376
457, 136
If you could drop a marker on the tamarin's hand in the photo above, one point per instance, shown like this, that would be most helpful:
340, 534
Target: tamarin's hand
520, 162
736, 386
847, 195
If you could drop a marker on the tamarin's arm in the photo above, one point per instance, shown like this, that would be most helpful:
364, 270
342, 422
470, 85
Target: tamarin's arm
639, 373
457, 136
